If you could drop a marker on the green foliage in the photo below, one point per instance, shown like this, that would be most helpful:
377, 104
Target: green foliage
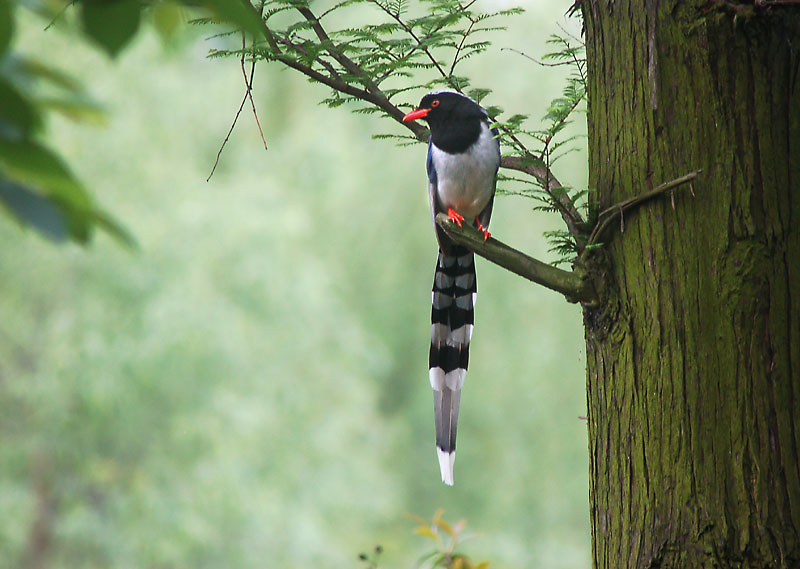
250, 389
111, 24
416, 47
373, 65
404, 47
37, 186
551, 197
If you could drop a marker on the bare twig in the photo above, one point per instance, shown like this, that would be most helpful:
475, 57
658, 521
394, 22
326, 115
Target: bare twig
608, 215
410, 32
536, 61
227, 136
566, 32
248, 83
59, 14
248, 94
466, 33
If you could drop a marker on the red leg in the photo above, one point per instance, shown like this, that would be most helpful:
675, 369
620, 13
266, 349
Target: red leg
455, 216
482, 229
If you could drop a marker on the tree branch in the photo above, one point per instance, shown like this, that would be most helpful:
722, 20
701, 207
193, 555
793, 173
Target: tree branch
608, 215
572, 284
371, 93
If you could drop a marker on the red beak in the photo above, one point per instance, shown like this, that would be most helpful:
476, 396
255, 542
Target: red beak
414, 115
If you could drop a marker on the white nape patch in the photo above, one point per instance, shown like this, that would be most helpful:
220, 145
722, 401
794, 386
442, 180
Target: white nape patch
461, 336
446, 462
455, 379
436, 376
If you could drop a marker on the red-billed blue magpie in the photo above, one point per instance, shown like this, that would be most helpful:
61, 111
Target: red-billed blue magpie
463, 158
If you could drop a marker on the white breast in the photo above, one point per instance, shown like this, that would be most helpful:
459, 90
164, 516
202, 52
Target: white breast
466, 181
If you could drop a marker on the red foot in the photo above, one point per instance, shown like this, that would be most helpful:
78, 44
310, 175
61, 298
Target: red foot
455, 216
482, 229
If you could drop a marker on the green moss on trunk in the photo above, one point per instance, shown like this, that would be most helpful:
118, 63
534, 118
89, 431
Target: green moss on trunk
694, 354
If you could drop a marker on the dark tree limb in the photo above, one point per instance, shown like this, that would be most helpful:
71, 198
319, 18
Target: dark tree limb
364, 88
574, 285
369, 92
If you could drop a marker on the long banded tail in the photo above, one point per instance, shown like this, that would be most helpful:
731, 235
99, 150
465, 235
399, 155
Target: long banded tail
452, 318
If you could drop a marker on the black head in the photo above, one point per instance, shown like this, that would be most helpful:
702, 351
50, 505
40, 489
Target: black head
454, 119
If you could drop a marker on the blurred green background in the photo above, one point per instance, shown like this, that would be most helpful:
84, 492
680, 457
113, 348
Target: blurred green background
249, 388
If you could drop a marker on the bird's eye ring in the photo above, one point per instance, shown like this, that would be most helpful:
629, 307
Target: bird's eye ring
435, 103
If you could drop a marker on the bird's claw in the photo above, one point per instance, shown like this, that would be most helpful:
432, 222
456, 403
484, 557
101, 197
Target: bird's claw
482, 229
454, 216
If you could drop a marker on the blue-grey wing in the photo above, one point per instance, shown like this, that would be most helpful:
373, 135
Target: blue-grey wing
432, 182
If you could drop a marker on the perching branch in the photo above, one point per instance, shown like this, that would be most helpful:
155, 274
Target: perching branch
326, 59
572, 284
367, 90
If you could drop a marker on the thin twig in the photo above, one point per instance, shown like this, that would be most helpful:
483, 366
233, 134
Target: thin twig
542, 63
543, 175
468, 31
59, 14
286, 40
609, 214
248, 94
248, 83
570, 34
409, 31
227, 136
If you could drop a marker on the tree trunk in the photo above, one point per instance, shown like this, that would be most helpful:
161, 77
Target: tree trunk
694, 352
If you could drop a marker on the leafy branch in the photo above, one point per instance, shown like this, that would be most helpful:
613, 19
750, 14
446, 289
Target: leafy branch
360, 64
374, 67
551, 195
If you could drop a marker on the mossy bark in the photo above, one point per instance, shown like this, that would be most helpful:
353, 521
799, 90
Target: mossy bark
694, 352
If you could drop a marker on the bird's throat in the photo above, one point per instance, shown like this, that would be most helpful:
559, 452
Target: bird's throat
457, 136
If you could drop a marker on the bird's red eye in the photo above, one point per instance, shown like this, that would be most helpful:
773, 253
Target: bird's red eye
435, 103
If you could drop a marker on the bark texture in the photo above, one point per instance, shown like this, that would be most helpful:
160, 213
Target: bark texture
694, 352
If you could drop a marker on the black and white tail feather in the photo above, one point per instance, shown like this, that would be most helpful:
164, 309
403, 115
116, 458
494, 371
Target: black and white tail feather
452, 319
463, 158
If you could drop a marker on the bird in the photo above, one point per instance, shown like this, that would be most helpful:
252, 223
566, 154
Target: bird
463, 159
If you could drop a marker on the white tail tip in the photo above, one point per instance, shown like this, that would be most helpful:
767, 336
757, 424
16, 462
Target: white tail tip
446, 462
